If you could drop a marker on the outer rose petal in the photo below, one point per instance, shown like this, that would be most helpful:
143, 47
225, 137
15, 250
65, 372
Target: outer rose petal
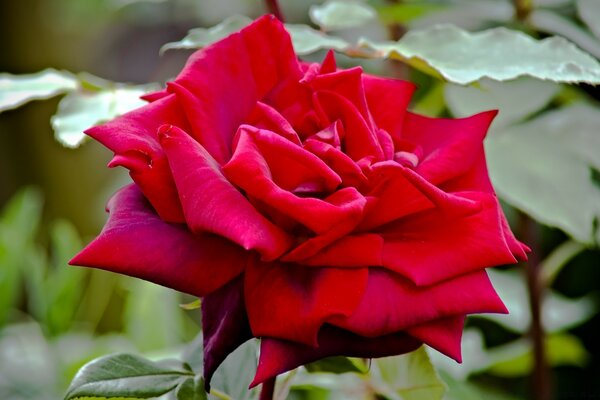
211, 203
278, 356
443, 243
136, 242
388, 100
450, 146
292, 302
442, 334
391, 303
224, 325
133, 139
219, 90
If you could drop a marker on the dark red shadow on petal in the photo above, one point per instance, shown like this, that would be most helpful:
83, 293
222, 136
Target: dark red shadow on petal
224, 325
278, 356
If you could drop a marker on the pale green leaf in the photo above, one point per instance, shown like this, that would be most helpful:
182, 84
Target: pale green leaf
501, 54
152, 317
126, 375
202, 37
82, 109
467, 14
338, 365
16, 90
515, 99
553, 23
407, 377
336, 14
466, 390
307, 40
559, 313
589, 12
236, 373
545, 167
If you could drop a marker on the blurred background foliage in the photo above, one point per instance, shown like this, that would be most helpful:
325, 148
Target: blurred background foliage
55, 318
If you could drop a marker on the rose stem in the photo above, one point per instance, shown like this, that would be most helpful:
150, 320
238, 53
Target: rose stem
541, 384
522, 9
395, 32
273, 7
267, 390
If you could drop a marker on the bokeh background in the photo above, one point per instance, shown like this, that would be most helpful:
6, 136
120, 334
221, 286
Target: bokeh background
54, 318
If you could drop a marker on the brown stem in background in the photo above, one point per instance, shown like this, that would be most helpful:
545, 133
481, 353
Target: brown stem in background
396, 31
522, 9
541, 380
273, 7
267, 389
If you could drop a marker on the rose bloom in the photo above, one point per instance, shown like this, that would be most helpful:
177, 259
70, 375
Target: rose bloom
306, 205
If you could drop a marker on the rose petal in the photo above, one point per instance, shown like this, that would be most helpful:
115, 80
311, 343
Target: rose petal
442, 334
218, 90
136, 242
445, 242
450, 146
360, 140
133, 139
279, 356
362, 250
347, 170
392, 303
224, 325
266, 117
292, 302
388, 100
250, 170
347, 83
393, 196
211, 203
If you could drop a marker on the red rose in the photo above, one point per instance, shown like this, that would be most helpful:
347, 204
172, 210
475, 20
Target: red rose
306, 205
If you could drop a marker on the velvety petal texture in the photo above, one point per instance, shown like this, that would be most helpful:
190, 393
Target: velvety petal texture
306, 205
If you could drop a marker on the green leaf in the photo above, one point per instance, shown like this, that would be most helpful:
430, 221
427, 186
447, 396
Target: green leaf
129, 376
545, 167
501, 54
467, 14
465, 390
550, 22
237, 371
589, 12
516, 359
307, 40
338, 365
194, 305
83, 109
152, 317
191, 389
336, 14
403, 13
514, 99
62, 286
432, 103
202, 37
19, 224
16, 90
559, 313
407, 377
